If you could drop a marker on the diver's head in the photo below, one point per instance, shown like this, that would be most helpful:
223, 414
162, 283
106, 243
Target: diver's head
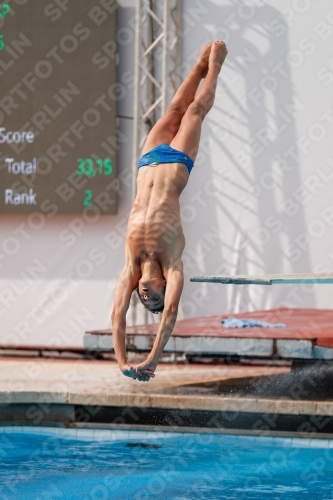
151, 293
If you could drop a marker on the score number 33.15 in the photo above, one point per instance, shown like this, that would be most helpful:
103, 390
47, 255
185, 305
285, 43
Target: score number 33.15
86, 166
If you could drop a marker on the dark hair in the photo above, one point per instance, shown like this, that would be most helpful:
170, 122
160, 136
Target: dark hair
154, 311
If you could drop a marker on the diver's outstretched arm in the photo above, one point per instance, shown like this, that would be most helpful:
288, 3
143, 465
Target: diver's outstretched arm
125, 285
175, 284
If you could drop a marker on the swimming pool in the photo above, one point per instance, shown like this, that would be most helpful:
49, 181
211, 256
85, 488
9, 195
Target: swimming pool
47, 464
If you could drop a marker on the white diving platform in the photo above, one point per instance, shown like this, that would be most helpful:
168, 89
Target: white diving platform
265, 279
308, 336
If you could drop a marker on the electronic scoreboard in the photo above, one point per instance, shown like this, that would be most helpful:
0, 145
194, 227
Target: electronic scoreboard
58, 106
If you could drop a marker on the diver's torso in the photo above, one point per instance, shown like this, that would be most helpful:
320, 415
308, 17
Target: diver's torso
154, 226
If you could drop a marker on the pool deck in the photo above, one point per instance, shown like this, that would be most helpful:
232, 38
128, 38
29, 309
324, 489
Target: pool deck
101, 383
56, 388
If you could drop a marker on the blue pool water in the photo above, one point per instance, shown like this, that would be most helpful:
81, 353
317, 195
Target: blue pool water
51, 464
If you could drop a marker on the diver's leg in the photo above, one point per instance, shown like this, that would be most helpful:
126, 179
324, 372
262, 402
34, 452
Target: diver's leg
168, 125
188, 137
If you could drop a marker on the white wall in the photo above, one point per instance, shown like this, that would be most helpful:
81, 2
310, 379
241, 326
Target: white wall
259, 198
271, 167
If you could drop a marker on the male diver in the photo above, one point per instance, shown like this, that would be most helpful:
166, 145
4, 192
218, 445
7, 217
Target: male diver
155, 239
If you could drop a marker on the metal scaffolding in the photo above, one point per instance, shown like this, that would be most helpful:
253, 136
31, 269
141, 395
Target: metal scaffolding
157, 72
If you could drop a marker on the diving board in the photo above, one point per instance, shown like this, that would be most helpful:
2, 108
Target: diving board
265, 279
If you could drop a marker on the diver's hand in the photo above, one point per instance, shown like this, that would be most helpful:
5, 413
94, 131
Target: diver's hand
145, 371
128, 371
143, 375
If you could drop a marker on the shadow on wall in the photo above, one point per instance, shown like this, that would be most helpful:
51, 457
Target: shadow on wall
252, 128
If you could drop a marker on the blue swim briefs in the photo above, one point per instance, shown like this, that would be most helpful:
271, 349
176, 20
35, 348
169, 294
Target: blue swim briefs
165, 154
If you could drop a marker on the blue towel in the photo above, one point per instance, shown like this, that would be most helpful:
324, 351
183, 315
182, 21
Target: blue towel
248, 323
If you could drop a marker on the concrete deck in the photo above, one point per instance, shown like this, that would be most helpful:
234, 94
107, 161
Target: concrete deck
237, 399
101, 383
175, 386
308, 336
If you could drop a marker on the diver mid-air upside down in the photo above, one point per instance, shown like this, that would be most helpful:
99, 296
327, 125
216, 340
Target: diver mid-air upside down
155, 239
